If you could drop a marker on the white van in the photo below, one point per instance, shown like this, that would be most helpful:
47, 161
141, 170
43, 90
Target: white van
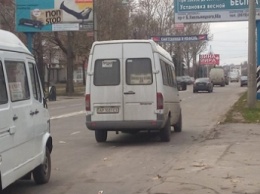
25, 140
131, 86
234, 76
217, 76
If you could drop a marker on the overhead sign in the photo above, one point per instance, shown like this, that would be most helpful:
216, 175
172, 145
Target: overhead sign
209, 59
187, 11
180, 38
54, 15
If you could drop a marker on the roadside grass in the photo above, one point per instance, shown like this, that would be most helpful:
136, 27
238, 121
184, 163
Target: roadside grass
240, 113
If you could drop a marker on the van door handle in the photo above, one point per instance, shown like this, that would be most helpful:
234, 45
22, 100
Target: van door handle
129, 92
36, 112
15, 117
31, 113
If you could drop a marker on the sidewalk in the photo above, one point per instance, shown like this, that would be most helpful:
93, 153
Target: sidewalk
226, 161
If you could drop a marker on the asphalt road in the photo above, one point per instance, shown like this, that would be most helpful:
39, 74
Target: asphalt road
129, 164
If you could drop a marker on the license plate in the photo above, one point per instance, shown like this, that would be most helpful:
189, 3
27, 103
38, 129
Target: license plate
107, 109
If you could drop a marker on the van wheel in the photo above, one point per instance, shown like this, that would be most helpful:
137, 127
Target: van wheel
165, 132
42, 173
178, 125
101, 135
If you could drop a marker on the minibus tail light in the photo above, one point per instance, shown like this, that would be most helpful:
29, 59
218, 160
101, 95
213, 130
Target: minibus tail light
159, 101
87, 101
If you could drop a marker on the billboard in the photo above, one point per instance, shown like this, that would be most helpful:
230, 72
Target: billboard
54, 15
180, 38
188, 11
209, 59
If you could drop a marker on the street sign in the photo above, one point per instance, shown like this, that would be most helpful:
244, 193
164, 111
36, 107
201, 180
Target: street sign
187, 11
180, 38
209, 59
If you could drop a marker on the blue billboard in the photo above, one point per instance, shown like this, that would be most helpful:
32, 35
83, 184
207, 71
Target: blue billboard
54, 15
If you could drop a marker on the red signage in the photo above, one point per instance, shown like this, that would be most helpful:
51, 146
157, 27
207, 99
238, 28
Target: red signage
209, 59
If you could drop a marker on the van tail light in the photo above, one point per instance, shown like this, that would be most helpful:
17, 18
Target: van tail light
87, 101
159, 101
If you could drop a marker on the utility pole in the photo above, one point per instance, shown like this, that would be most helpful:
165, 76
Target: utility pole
251, 93
95, 23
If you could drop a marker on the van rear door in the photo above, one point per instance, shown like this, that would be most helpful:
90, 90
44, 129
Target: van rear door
106, 84
139, 92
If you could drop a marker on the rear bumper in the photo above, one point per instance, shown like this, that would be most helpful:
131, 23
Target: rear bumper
125, 125
201, 88
243, 83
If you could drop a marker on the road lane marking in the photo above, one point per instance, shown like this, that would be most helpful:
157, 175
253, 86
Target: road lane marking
74, 133
68, 115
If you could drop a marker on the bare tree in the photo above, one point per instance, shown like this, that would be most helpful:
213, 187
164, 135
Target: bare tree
192, 49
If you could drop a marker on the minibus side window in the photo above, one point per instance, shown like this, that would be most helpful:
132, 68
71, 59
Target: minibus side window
164, 73
139, 71
174, 77
169, 78
35, 82
107, 72
17, 80
3, 91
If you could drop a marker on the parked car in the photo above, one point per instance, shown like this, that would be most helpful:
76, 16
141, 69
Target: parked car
202, 84
243, 81
181, 83
188, 79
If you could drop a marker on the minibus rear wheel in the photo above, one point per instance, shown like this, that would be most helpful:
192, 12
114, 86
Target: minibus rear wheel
42, 173
165, 132
101, 135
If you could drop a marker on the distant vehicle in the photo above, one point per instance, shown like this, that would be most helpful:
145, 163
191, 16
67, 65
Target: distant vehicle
181, 83
226, 79
243, 81
188, 79
131, 89
234, 76
202, 84
217, 76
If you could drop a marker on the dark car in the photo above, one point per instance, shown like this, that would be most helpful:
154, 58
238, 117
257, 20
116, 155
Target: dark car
188, 79
243, 81
181, 83
202, 84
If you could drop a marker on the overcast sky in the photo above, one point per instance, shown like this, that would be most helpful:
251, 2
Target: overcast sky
230, 41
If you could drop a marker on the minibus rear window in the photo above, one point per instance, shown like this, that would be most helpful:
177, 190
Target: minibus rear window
3, 92
107, 72
139, 71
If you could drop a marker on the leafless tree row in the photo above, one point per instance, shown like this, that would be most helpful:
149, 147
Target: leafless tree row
134, 20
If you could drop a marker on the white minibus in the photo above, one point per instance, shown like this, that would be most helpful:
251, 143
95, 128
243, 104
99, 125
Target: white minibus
130, 87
